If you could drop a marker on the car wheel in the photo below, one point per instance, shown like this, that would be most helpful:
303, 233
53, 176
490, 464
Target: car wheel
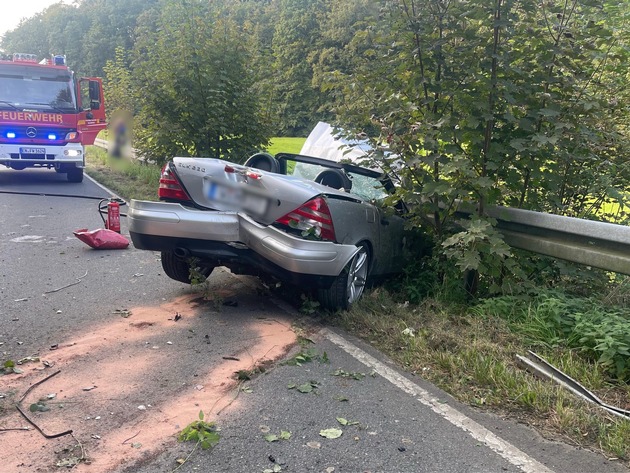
179, 269
75, 175
349, 285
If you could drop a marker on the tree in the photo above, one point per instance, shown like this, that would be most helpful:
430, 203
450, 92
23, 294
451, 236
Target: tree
193, 85
486, 103
295, 36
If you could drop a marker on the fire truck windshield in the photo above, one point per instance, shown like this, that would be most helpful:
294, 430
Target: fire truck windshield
29, 88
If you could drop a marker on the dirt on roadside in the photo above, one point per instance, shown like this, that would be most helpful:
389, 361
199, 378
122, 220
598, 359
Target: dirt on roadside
127, 388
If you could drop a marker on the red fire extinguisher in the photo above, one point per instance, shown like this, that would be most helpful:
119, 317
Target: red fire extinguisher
113, 216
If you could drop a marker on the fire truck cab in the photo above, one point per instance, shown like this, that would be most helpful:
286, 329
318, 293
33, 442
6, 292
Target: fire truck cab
48, 114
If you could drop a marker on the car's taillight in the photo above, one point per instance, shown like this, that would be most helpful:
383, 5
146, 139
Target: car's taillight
170, 187
312, 216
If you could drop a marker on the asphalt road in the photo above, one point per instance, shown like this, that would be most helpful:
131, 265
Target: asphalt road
140, 355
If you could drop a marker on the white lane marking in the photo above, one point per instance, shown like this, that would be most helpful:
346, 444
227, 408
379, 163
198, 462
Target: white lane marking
502, 448
109, 191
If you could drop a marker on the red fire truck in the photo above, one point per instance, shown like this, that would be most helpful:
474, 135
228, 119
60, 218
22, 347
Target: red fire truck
48, 115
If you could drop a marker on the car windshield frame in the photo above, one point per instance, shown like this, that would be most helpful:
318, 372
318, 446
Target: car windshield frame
384, 179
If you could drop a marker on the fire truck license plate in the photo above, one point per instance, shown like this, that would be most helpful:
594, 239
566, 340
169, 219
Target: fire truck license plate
32, 150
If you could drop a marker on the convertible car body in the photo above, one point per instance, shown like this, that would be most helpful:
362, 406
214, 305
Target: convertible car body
308, 221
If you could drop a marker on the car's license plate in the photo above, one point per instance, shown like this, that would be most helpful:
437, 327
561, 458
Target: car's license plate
236, 197
32, 150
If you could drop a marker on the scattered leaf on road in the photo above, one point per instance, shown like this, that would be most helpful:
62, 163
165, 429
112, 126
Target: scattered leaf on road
331, 433
275, 469
345, 374
284, 435
343, 421
305, 388
38, 407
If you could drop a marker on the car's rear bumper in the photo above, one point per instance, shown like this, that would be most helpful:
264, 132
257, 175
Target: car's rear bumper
172, 224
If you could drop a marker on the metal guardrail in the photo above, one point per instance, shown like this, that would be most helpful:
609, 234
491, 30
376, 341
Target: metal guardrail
101, 143
598, 244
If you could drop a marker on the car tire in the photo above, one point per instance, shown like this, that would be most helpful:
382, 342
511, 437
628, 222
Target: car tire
348, 287
178, 269
75, 175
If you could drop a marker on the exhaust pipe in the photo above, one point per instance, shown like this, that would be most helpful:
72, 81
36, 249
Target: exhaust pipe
181, 252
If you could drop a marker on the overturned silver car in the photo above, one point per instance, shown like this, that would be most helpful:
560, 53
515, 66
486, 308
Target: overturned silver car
308, 221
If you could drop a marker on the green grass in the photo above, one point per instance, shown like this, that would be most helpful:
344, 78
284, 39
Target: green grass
286, 145
129, 179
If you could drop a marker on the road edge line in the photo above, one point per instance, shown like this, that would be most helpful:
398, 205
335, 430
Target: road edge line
109, 191
495, 443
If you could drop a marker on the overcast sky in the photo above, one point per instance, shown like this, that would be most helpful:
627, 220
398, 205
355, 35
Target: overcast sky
12, 11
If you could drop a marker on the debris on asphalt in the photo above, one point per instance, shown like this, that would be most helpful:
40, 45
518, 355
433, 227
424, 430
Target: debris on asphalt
78, 280
124, 313
18, 406
27, 359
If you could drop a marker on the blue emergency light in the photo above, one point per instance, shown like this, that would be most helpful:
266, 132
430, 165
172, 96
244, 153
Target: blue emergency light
52, 136
10, 134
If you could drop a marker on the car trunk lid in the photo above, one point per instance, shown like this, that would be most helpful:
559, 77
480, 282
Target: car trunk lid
264, 196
